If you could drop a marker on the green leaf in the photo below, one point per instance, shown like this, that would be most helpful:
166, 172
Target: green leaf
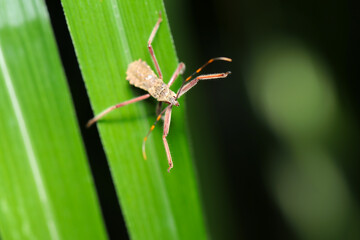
108, 35
46, 188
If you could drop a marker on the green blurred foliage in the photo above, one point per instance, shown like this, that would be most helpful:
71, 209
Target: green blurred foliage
292, 90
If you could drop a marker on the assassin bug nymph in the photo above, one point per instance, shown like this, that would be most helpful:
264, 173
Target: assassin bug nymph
140, 75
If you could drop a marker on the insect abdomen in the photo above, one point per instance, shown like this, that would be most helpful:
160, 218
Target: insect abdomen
140, 75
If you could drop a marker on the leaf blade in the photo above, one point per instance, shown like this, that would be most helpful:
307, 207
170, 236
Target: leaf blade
155, 204
46, 185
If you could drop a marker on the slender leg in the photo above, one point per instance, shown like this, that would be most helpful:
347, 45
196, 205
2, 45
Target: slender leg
183, 89
151, 50
179, 70
166, 131
109, 109
187, 87
151, 129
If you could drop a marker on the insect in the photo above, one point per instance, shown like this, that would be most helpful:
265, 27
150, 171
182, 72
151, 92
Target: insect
140, 75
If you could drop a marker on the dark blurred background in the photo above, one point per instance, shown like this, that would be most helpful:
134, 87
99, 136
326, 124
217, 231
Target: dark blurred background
276, 144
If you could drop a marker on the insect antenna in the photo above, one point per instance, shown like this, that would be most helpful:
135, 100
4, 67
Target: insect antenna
199, 70
151, 129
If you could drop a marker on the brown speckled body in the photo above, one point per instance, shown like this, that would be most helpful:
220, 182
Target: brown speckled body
140, 75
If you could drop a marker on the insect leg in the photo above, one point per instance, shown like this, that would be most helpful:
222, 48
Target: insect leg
109, 109
166, 131
179, 70
183, 89
151, 129
151, 50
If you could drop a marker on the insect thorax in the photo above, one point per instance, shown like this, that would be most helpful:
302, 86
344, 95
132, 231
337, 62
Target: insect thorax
140, 75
